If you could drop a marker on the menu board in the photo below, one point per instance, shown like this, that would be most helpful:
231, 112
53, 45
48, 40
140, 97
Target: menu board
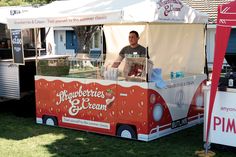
17, 46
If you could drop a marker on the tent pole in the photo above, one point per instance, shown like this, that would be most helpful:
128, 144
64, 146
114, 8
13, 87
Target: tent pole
101, 31
147, 55
35, 47
206, 64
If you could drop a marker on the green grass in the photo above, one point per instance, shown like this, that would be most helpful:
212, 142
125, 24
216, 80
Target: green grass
21, 137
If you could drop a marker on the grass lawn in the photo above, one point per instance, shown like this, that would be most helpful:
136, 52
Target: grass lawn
21, 137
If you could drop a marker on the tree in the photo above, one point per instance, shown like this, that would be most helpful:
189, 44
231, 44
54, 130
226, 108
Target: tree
39, 1
84, 34
23, 2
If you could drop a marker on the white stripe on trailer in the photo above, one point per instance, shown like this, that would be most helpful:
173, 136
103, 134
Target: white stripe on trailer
84, 122
158, 134
39, 120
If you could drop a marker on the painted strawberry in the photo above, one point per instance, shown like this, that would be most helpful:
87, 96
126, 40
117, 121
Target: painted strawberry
109, 97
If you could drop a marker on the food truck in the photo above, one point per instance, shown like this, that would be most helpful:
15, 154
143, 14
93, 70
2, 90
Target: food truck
219, 121
138, 100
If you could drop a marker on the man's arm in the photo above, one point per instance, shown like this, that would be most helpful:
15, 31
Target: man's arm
117, 62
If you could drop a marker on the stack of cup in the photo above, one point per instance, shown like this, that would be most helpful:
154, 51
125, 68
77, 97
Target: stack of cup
111, 74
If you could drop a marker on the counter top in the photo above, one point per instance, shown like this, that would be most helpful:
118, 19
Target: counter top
39, 57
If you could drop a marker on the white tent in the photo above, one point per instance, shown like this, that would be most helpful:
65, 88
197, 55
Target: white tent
81, 12
8, 11
173, 32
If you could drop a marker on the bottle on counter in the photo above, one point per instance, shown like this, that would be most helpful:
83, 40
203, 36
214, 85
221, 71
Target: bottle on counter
231, 80
177, 74
172, 75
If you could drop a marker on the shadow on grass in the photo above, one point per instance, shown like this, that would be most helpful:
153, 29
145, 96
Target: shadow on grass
18, 123
25, 107
80, 143
182, 144
18, 119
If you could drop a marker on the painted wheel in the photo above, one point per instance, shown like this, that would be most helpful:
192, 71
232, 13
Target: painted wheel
126, 131
158, 112
49, 120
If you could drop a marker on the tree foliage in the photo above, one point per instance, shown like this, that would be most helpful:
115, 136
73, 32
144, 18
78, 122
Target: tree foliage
23, 2
84, 33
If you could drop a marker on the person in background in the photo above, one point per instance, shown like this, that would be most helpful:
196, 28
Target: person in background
133, 49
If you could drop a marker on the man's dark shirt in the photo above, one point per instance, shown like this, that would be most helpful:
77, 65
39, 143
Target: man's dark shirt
139, 50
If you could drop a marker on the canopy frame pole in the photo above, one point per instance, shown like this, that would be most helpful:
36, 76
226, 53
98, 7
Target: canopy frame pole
35, 48
206, 71
102, 42
147, 55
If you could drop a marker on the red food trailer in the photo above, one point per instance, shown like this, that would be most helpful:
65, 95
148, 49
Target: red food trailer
72, 93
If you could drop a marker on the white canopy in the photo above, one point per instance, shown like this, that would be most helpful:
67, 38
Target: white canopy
8, 11
91, 12
172, 31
